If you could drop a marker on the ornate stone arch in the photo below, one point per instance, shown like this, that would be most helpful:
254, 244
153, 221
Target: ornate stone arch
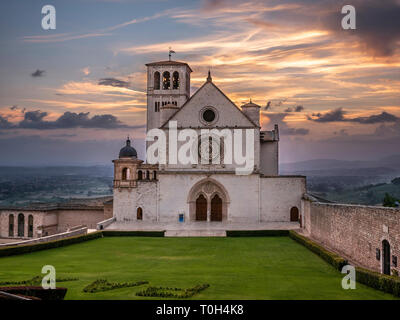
208, 187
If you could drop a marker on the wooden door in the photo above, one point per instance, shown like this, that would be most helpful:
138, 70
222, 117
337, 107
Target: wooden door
294, 214
216, 208
386, 257
201, 208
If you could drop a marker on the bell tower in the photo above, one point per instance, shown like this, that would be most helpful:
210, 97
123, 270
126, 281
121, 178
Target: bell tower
168, 82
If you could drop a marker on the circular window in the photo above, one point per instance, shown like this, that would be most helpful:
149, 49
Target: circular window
209, 115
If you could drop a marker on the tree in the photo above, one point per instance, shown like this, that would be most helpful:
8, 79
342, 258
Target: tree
389, 201
396, 181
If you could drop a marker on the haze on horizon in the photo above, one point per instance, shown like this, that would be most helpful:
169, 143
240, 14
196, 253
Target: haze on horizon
72, 95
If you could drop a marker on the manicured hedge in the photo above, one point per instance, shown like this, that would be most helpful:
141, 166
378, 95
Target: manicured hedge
112, 233
332, 258
386, 283
257, 233
9, 251
37, 292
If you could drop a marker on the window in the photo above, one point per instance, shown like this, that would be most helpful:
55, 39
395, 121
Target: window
209, 115
166, 81
139, 214
157, 106
148, 175
125, 174
156, 80
155, 175
140, 175
175, 80
30, 226
11, 225
210, 149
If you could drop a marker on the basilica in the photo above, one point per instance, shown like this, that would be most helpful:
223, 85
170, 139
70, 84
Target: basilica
205, 191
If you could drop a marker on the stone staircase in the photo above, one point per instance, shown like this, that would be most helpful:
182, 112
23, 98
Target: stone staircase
195, 233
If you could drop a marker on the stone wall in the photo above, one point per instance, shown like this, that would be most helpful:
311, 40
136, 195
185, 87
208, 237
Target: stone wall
279, 194
128, 200
72, 218
355, 231
49, 222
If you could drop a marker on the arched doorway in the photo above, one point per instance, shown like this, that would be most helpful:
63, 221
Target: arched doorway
294, 214
11, 225
201, 208
203, 205
386, 257
21, 225
30, 226
216, 208
139, 214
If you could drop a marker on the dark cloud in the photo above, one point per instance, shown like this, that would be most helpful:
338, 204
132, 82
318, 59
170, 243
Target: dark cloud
38, 73
331, 116
4, 123
113, 82
284, 129
377, 24
337, 115
36, 120
295, 109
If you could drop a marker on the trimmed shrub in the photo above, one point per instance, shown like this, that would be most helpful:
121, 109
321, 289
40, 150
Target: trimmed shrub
112, 233
332, 258
166, 292
38, 292
103, 285
386, 283
9, 251
35, 281
257, 233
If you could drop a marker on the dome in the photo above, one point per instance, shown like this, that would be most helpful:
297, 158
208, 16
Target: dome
250, 104
128, 151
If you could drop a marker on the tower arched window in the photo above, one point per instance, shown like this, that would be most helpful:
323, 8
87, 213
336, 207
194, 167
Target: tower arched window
30, 226
166, 80
11, 225
175, 80
125, 174
140, 175
156, 80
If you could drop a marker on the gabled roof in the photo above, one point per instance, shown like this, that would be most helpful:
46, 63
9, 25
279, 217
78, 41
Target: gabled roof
187, 101
169, 63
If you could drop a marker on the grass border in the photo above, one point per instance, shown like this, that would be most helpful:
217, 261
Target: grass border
257, 233
21, 249
332, 258
372, 279
14, 250
116, 233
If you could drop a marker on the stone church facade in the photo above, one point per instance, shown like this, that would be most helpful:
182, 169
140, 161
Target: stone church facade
214, 192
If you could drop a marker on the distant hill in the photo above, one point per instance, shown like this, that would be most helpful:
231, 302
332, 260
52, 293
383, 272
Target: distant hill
93, 171
387, 166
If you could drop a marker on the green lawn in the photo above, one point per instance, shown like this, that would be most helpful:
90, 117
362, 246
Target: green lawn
235, 268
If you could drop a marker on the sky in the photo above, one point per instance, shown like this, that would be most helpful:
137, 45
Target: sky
73, 94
